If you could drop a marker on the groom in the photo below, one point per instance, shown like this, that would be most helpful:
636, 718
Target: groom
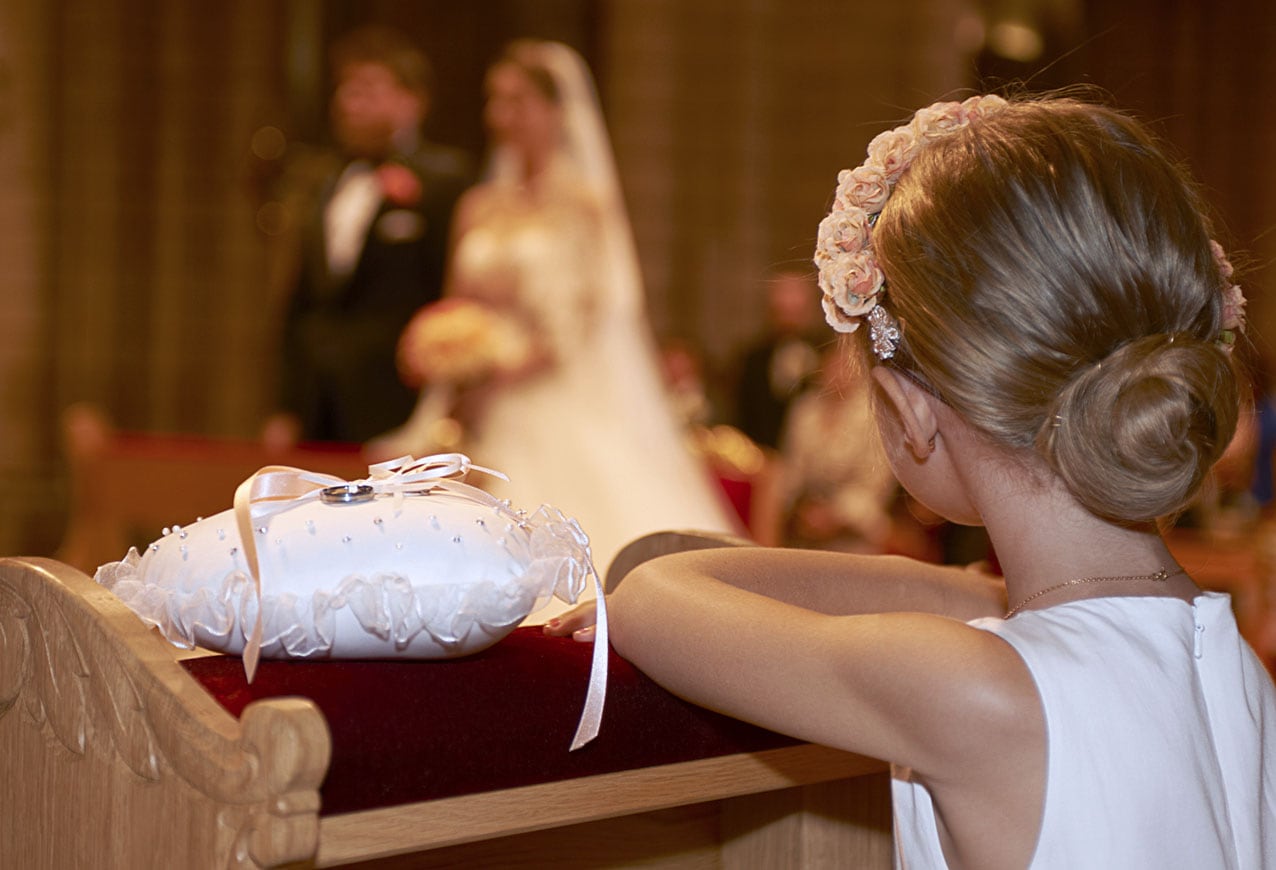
373, 247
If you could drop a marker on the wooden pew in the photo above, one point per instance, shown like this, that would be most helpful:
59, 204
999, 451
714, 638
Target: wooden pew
113, 755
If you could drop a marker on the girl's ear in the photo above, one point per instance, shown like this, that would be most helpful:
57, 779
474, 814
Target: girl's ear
913, 405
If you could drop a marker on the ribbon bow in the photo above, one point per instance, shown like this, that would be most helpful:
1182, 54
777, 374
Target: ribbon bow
275, 489
278, 488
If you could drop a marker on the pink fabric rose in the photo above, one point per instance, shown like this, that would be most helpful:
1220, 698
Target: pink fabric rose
843, 232
837, 318
982, 105
853, 281
891, 152
864, 187
1234, 308
1220, 257
1233, 296
937, 121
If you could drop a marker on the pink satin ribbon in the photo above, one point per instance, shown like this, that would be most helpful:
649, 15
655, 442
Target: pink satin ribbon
591, 717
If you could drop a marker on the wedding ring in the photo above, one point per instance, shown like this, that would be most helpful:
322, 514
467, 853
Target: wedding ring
350, 493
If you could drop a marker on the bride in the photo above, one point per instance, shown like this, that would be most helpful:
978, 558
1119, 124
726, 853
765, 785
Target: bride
584, 423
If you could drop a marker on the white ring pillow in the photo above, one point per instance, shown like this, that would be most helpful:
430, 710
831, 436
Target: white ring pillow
408, 563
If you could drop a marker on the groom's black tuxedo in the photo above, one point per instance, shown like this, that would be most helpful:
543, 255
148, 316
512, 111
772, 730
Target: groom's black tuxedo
339, 374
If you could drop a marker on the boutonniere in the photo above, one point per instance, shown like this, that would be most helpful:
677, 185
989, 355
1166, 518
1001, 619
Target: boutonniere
399, 185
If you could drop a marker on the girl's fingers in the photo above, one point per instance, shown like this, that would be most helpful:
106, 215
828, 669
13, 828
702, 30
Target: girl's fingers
572, 621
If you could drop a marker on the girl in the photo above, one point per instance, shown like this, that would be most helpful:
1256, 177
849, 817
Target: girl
1048, 326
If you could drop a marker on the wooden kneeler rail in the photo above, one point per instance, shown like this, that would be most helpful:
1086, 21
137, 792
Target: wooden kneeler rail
112, 755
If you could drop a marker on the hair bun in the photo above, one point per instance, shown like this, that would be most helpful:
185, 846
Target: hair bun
1134, 436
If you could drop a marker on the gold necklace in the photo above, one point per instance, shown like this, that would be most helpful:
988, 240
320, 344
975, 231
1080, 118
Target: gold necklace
1159, 575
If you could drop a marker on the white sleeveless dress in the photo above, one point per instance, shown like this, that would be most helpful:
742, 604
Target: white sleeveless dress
1161, 728
594, 434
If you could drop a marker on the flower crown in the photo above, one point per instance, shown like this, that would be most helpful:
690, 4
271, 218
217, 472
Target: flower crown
849, 276
1233, 300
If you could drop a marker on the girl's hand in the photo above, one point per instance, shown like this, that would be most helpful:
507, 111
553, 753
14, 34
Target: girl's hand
577, 622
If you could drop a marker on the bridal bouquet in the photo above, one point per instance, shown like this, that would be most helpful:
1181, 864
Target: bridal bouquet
461, 341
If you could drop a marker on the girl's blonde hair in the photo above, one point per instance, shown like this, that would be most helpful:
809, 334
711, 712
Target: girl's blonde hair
1053, 275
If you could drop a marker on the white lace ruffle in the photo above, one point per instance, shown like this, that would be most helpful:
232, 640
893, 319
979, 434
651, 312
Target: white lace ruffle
432, 620
431, 576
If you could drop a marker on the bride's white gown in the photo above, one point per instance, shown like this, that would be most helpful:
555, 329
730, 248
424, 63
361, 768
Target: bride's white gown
593, 434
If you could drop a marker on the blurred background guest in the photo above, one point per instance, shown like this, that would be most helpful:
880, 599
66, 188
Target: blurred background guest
833, 488
372, 247
733, 457
690, 388
583, 423
779, 363
1259, 426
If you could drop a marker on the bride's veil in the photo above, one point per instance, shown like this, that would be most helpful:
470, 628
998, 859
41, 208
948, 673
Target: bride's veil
585, 147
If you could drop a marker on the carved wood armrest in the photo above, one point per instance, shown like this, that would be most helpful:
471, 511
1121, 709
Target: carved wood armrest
83, 679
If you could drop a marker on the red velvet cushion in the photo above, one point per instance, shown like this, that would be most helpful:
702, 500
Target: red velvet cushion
406, 731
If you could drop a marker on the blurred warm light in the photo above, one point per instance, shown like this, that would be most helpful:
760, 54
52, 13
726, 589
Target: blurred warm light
969, 34
1016, 41
272, 218
269, 143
